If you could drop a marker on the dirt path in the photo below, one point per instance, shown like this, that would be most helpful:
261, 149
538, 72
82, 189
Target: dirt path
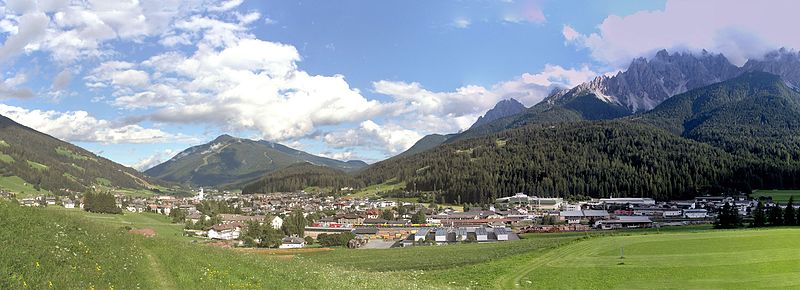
160, 276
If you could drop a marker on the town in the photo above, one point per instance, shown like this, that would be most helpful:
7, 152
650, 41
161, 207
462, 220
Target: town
384, 223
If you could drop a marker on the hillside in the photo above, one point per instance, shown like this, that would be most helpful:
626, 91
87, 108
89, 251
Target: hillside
736, 135
227, 160
33, 163
300, 176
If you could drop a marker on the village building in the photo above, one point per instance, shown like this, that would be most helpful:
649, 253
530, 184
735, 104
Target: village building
229, 231
292, 243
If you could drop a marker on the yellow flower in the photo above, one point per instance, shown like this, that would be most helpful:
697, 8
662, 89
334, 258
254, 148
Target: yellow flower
50, 284
37, 264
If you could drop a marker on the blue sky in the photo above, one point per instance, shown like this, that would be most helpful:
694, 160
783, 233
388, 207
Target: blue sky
139, 81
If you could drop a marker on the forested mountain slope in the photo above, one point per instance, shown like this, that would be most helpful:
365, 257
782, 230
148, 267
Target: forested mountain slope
42, 163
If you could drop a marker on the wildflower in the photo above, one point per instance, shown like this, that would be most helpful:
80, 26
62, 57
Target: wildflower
37, 264
49, 284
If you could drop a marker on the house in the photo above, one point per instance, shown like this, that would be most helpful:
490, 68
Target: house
366, 232
441, 235
571, 216
501, 233
461, 234
237, 218
481, 234
292, 243
624, 222
229, 231
50, 201
695, 213
68, 203
628, 201
195, 217
521, 199
421, 234
277, 223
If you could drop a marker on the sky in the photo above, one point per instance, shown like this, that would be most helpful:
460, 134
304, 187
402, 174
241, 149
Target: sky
139, 81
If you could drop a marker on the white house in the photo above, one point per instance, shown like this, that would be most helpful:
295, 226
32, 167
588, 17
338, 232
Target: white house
68, 203
695, 213
501, 233
481, 234
229, 231
292, 243
421, 234
441, 235
277, 223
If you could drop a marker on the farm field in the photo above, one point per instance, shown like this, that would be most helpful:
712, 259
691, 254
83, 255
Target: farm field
778, 195
743, 259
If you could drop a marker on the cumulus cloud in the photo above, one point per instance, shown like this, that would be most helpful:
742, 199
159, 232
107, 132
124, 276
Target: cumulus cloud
31, 27
741, 31
70, 30
62, 80
10, 88
234, 81
392, 139
153, 160
79, 126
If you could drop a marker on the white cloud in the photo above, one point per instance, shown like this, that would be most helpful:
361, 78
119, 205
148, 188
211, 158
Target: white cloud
10, 88
391, 139
31, 27
226, 5
61, 80
153, 160
740, 31
236, 82
461, 23
344, 155
444, 112
529, 11
79, 126
70, 30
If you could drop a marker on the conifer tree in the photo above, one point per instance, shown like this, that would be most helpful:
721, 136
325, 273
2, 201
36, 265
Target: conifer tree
759, 216
789, 213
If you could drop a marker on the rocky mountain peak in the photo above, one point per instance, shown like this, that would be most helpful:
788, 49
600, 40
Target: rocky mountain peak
502, 109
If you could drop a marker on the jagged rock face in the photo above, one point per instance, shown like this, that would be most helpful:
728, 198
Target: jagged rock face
647, 83
783, 63
502, 109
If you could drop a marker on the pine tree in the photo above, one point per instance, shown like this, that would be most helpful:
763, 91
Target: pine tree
775, 216
759, 216
789, 213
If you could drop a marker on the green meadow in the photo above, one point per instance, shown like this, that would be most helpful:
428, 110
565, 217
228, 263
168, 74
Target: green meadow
72, 249
778, 195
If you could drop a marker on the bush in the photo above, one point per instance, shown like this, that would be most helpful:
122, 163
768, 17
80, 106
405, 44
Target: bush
333, 240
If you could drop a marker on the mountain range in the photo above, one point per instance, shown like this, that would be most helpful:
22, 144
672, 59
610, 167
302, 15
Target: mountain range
645, 84
735, 135
228, 160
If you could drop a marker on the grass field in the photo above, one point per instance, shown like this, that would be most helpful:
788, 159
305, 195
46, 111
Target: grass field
778, 195
742, 259
679, 257
6, 158
373, 190
20, 187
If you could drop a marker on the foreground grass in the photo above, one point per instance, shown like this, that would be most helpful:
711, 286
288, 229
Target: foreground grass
77, 250
743, 259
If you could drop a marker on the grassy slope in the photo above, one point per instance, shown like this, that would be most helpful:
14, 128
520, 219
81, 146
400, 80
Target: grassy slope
373, 190
167, 261
20, 187
781, 196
